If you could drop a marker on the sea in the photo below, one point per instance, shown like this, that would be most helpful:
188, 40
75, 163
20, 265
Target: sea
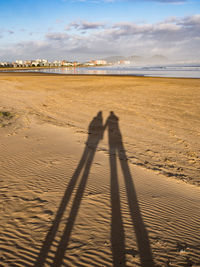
179, 71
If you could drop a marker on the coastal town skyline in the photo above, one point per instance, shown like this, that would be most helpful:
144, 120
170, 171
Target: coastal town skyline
109, 61
56, 63
81, 30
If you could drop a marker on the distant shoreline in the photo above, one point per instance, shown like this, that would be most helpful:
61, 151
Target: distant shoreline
120, 71
46, 67
31, 73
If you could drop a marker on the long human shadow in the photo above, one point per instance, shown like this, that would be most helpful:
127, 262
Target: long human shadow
117, 229
95, 134
117, 232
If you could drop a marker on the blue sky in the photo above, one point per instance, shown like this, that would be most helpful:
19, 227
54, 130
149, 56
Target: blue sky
94, 28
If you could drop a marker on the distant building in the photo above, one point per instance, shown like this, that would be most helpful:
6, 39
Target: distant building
19, 62
90, 63
35, 64
57, 63
28, 63
65, 63
99, 62
5, 64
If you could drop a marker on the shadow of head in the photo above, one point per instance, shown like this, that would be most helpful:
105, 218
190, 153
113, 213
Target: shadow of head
112, 120
96, 129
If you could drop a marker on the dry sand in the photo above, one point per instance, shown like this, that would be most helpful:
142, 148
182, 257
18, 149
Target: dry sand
78, 189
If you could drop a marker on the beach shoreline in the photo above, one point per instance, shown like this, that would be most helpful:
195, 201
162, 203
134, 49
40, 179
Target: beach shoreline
15, 72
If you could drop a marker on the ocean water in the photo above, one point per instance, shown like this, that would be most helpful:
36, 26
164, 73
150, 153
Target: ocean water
182, 71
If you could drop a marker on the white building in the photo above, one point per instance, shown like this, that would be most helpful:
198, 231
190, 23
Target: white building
19, 62
100, 62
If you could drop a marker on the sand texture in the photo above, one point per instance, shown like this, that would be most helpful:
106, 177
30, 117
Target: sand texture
99, 171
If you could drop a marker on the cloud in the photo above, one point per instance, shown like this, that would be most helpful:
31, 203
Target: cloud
1, 31
172, 38
10, 32
85, 25
5, 31
57, 36
175, 38
190, 21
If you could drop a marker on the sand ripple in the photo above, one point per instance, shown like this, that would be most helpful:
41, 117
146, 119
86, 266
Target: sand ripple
53, 206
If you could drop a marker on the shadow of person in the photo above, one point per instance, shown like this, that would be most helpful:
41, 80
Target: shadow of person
95, 134
117, 232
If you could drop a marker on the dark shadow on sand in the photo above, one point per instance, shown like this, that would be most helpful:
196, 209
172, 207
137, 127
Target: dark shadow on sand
95, 134
116, 147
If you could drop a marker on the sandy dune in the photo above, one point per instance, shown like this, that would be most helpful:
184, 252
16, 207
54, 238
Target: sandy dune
81, 187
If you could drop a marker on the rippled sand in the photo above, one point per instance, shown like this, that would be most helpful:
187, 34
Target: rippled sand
81, 188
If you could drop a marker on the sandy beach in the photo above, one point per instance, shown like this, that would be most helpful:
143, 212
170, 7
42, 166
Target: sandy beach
99, 171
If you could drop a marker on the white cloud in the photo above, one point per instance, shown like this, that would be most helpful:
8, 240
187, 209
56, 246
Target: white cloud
174, 38
57, 36
85, 25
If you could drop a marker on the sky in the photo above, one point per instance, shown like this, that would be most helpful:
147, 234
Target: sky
95, 29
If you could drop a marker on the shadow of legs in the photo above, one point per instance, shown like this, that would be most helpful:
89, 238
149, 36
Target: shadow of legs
139, 227
60, 253
95, 134
117, 230
54, 228
116, 144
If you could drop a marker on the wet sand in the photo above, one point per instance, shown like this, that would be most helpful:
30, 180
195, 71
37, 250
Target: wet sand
85, 188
